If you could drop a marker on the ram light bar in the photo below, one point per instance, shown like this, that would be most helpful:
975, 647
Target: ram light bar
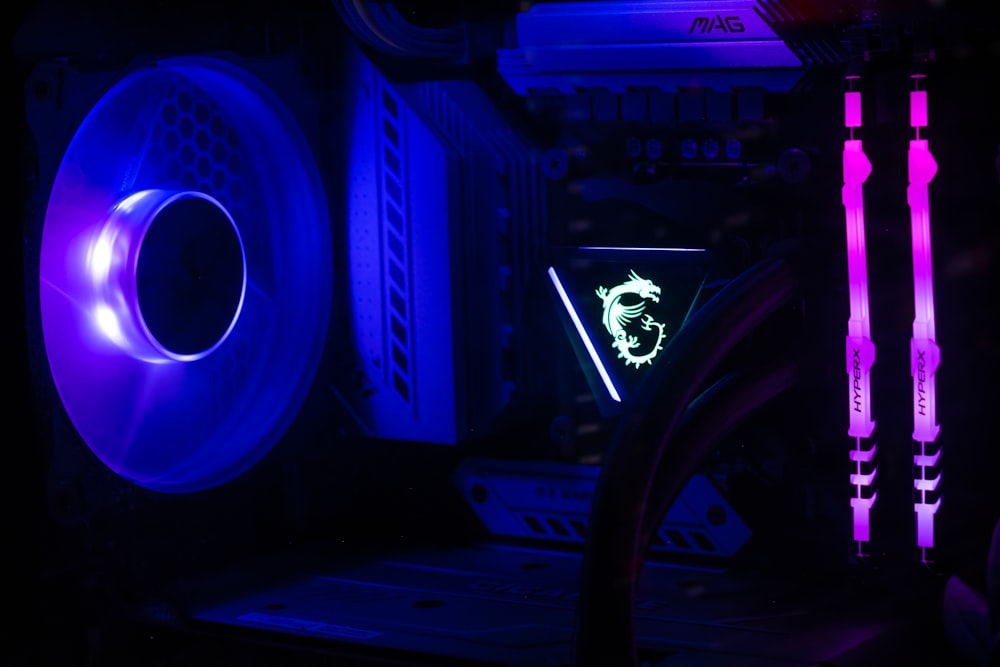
924, 352
860, 349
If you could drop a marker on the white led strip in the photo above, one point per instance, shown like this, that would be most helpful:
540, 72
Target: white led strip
587, 343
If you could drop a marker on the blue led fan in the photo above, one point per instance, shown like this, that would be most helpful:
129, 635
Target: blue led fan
185, 275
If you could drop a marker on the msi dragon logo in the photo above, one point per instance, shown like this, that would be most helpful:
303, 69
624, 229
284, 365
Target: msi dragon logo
706, 24
618, 316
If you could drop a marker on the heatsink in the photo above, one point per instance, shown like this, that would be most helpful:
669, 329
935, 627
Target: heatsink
443, 227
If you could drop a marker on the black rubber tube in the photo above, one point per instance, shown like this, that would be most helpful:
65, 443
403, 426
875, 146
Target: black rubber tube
382, 27
612, 559
708, 420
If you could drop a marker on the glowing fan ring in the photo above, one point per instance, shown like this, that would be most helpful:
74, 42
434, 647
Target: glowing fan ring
113, 262
170, 413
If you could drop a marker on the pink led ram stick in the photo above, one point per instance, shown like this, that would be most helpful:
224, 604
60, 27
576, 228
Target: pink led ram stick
924, 352
860, 350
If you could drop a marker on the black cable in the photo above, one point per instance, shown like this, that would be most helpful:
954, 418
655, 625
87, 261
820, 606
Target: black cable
604, 631
709, 418
358, 20
381, 26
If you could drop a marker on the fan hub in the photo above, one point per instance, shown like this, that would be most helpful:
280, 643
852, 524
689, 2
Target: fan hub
190, 276
170, 272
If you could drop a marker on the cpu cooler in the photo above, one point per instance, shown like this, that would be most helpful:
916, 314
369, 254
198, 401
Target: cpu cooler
185, 272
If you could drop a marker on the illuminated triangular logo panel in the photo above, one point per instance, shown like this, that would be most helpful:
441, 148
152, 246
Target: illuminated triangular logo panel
621, 307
